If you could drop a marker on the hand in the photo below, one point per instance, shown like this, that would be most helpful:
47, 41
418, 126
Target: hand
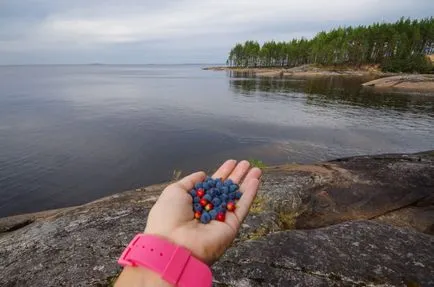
172, 215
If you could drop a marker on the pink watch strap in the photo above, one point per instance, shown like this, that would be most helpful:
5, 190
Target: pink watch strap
173, 262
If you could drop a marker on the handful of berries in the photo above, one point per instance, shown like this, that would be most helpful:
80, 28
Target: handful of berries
213, 197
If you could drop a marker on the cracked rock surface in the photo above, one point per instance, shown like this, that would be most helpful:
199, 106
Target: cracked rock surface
361, 221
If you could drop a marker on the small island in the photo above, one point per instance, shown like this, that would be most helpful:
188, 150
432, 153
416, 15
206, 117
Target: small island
380, 50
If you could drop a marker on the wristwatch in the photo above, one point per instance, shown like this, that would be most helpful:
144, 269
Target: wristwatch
174, 263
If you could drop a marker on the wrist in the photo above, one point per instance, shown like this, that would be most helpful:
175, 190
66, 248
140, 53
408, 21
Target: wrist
158, 260
140, 276
184, 243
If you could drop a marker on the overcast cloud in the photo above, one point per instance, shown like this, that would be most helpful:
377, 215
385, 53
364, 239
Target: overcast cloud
168, 31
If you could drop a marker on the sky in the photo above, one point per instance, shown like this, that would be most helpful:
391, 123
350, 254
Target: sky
173, 31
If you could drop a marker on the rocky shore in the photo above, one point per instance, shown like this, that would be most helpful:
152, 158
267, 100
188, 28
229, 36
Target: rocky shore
360, 221
304, 71
384, 81
422, 83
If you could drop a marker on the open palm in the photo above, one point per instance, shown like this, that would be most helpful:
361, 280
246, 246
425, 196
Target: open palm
172, 215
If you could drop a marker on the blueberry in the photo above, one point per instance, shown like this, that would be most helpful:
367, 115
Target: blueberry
198, 185
232, 196
218, 209
196, 199
213, 213
211, 183
238, 194
228, 182
216, 201
218, 184
197, 207
223, 206
224, 189
211, 192
193, 193
233, 187
208, 178
205, 185
216, 192
207, 197
205, 217
224, 197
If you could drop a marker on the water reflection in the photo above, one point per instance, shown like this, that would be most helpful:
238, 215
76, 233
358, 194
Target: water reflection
71, 134
325, 91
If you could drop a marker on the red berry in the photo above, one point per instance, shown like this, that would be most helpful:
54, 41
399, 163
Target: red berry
231, 206
209, 206
203, 202
197, 214
220, 216
200, 192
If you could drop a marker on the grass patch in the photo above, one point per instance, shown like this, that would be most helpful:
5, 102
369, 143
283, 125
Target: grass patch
258, 205
176, 175
287, 220
257, 163
260, 232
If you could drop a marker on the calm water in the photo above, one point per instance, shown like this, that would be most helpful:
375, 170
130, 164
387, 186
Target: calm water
71, 134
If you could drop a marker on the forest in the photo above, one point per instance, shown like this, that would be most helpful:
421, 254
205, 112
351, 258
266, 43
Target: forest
402, 46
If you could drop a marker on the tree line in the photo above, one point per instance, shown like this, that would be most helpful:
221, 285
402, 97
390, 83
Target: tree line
397, 47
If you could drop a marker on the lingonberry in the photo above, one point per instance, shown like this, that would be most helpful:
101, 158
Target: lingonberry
231, 206
203, 202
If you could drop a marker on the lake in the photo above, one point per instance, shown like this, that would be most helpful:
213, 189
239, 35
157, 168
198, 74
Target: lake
72, 134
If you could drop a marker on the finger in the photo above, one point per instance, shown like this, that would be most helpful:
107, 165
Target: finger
189, 181
249, 188
240, 171
225, 169
253, 173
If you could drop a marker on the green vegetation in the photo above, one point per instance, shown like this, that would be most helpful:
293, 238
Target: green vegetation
257, 163
176, 175
260, 232
287, 220
397, 47
258, 205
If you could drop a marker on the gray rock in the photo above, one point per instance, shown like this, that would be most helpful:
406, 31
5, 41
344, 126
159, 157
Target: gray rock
358, 253
281, 242
76, 246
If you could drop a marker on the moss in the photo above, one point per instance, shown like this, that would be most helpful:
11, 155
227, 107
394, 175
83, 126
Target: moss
256, 234
258, 205
287, 220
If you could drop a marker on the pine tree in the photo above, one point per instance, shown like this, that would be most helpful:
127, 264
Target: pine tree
400, 46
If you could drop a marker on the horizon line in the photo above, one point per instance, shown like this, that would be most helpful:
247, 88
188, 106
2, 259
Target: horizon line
112, 64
